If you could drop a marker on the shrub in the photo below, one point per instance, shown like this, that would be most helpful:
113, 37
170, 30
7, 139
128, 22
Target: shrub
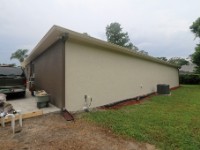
189, 78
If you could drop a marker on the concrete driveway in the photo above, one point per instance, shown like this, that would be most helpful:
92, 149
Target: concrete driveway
29, 104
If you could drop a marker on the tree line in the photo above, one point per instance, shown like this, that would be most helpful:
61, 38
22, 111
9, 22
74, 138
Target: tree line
195, 28
115, 35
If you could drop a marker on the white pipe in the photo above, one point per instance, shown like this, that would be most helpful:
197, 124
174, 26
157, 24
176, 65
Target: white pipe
88, 101
12, 116
20, 117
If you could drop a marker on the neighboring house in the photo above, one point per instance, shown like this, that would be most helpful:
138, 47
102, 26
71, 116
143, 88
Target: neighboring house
187, 69
69, 65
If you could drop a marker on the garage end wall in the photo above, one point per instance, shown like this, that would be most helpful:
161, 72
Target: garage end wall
109, 76
49, 73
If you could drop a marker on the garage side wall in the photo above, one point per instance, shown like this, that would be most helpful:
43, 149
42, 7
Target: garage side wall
108, 76
49, 73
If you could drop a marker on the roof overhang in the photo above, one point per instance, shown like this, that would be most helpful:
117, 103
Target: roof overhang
59, 33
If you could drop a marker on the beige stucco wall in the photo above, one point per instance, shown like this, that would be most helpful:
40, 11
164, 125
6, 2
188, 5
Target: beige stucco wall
109, 76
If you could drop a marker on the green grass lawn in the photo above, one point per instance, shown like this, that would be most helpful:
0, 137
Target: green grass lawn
169, 122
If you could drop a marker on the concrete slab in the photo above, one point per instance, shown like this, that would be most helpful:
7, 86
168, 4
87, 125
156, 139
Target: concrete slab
29, 104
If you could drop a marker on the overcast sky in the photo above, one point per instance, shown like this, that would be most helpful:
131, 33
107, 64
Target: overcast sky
160, 27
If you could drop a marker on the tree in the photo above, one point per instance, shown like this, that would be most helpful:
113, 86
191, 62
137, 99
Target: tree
135, 48
20, 55
195, 28
196, 58
178, 61
162, 58
85, 33
196, 55
115, 35
143, 52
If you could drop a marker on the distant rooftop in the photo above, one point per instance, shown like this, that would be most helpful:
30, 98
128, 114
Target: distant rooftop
188, 68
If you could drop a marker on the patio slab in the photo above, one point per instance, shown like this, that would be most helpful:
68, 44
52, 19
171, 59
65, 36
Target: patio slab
29, 104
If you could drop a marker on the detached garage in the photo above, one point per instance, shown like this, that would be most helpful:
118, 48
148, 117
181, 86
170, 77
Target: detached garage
71, 66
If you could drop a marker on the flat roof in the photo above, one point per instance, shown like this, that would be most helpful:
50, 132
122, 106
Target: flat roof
57, 32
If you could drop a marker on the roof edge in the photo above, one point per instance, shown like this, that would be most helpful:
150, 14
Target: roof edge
59, 31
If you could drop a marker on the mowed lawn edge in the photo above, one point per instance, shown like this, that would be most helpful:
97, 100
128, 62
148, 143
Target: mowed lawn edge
169, 122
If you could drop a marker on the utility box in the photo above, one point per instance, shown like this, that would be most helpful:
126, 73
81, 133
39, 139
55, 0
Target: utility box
163, 89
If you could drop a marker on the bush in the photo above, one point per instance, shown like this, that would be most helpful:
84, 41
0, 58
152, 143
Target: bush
189, 78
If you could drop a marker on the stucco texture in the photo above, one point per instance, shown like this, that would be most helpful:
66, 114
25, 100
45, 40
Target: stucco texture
109, 76
49, 73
